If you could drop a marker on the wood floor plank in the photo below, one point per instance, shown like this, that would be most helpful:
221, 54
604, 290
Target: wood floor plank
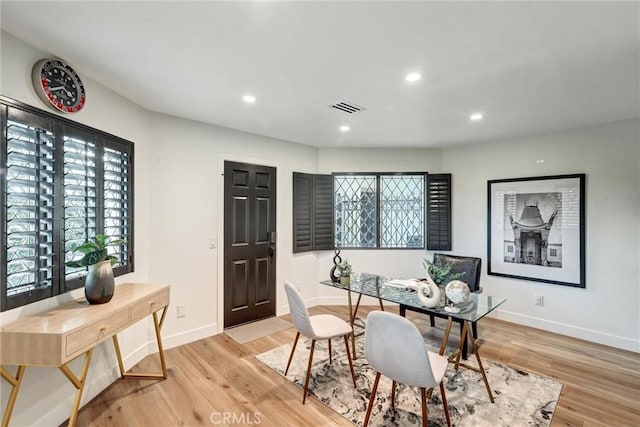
217, 377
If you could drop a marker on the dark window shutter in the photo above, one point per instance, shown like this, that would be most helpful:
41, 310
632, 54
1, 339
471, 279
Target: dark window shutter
312, 212
439, 212
322, 209
302, 211
63, 183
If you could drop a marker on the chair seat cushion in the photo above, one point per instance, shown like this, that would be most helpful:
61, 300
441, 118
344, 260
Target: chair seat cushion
438, 365
328, 326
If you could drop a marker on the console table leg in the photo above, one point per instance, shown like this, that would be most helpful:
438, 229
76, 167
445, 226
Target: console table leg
78, 384
116, 345
157, 324
15, 384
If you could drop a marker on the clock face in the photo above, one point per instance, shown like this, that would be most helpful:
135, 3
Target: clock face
58, 85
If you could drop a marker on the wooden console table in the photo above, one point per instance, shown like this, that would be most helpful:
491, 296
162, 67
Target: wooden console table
60, 335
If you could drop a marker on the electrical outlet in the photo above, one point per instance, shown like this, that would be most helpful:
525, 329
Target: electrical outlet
182, 311
538, 300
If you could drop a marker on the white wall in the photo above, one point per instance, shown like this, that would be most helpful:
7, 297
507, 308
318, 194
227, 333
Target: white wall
607, 310
46, 395
186, 211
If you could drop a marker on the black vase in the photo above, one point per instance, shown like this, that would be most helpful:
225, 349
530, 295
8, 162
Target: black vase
100, 284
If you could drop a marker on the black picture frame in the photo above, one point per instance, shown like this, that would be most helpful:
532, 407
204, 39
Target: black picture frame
536, 229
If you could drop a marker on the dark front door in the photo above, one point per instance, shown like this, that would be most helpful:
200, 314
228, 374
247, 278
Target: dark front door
249, 243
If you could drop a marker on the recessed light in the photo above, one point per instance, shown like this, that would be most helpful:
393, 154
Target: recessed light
476, 117
413, 77
344, 128
249, 99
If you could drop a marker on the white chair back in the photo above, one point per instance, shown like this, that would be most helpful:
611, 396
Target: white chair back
394, 347
299, 313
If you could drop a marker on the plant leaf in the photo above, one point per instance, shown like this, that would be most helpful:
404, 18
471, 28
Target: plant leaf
74, 264
87, 247
115, 242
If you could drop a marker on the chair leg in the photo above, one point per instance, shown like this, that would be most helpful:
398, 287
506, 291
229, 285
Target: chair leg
393, 394
432, 321
306, 382
444, 403
372, 399
423, 393
353, 374
474, 328
330, 351
293, 349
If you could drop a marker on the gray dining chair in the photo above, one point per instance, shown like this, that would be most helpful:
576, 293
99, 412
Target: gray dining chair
319, 327
394, 347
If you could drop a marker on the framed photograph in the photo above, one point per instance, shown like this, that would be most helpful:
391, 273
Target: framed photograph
536, 229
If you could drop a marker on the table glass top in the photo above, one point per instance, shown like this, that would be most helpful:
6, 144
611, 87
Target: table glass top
396, 291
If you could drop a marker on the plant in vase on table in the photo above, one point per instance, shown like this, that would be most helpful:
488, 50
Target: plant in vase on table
345, 272
437, 273
99, 284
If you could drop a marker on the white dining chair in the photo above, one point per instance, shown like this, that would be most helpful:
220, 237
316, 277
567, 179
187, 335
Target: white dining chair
319, 327
394, 347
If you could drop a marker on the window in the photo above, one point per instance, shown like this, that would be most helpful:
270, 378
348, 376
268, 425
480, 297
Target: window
553, 252
64, 183
379, 210
371, 210
510, 249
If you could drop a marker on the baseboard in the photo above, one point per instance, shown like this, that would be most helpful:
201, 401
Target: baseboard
187, 336
521, 319
569, 330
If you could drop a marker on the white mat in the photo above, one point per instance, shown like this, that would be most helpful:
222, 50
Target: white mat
252, 331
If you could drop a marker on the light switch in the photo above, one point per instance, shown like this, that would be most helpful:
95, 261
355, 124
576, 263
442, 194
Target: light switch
213, 242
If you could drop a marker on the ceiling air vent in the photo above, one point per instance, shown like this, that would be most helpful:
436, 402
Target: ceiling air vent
347, 107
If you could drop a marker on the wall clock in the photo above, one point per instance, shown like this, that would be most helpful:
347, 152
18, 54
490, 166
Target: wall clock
58, 85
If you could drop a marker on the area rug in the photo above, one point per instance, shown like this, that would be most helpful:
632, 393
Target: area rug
261, 328
521, 398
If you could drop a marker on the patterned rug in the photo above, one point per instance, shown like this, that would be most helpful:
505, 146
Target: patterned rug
521, 398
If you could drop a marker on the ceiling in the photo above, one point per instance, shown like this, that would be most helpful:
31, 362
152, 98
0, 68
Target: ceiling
529, 67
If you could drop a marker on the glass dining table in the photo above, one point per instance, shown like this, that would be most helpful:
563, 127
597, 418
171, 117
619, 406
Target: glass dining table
403, 293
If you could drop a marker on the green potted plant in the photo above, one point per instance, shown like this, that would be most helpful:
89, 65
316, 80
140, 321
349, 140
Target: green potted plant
437, 273
345, 272
99, 284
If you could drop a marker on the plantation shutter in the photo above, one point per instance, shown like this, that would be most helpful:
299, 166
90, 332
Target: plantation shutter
118, 212
322, 212
79, 198
61, 184
439, 212
312, 212
302, 192
28, 229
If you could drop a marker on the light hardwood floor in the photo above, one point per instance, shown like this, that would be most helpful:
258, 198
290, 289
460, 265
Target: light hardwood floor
216, 375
